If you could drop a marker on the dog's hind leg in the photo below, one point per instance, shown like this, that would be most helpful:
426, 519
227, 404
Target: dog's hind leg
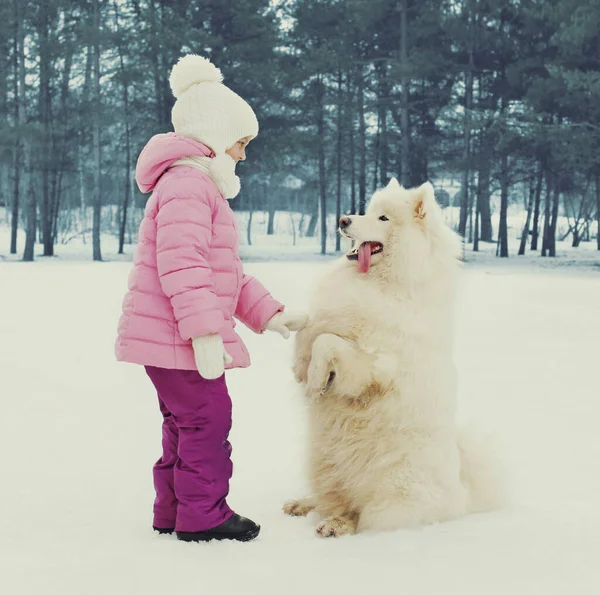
299, 507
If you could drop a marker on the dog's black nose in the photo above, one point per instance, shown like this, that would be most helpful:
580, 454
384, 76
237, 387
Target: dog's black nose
345, 222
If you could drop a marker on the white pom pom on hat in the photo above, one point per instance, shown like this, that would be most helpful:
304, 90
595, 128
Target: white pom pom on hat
191, 70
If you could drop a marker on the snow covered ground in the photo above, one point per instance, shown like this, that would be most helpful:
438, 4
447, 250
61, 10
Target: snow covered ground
79, 434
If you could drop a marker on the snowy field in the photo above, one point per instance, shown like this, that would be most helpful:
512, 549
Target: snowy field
80, 433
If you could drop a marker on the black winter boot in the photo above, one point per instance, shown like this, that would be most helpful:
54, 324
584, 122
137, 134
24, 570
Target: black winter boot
236, 528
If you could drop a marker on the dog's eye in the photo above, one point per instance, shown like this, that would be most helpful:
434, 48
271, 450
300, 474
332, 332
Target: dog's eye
383, 218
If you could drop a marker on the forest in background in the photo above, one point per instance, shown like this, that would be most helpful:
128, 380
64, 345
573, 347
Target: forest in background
501, 96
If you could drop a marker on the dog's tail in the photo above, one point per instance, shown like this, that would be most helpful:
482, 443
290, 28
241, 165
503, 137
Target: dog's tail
482, 472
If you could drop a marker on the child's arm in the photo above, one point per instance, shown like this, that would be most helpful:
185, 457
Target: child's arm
184, 231
259, 311
255, 305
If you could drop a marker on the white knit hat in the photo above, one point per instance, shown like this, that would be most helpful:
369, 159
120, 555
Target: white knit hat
211, 113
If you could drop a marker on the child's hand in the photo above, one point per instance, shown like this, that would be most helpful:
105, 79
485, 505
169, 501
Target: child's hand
210, 356
284, 322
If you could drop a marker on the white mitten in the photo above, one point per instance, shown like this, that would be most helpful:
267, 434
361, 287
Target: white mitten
210, 356
284, 322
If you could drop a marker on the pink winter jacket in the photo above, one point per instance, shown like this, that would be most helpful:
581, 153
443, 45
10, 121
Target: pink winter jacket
187, 279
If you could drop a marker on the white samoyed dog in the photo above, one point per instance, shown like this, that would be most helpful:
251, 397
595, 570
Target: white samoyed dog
375, 362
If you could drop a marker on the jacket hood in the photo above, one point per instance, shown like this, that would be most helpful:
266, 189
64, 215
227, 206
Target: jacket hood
160, 153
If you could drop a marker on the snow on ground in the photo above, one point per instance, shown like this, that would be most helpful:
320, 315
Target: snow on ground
79, 434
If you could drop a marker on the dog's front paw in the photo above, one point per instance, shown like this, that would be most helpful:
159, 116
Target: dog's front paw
321, 370
336, 526
298, 507
321, 376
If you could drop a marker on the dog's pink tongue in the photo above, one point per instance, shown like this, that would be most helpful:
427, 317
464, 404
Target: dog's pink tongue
364, 257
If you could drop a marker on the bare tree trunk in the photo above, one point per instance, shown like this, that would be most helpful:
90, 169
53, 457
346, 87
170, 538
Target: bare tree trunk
338, 196
535, 231
503, 228
56, 204
293, 224
58, 173
126, 195
483, 179
464, 207
362, 148
376, 152
402, 6
266, 199
311, 228
55, 180
154, 51
80, 178
97, 195
43, 29
38, 227
383, 116
471, 205
19, 120
250, 215
31, 206
547, 204
580, 219
486, 231
87, 80
322, 179
5, 193
82, 165
598, 210
350, 113
271, 216
504, 187
14, 222
554, 220
31, 212
476, 231
525, 232
127, 163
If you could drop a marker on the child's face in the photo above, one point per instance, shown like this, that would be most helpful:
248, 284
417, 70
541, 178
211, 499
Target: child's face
238, 151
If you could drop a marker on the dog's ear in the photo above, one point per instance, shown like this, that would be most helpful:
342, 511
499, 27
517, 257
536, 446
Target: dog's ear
393, 184
423, 197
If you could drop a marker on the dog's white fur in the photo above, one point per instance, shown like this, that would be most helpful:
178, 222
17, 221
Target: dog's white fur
375, 362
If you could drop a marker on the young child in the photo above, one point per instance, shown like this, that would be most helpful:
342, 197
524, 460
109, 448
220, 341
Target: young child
186, 287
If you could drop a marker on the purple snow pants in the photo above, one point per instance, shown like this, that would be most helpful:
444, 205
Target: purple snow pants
192, 476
